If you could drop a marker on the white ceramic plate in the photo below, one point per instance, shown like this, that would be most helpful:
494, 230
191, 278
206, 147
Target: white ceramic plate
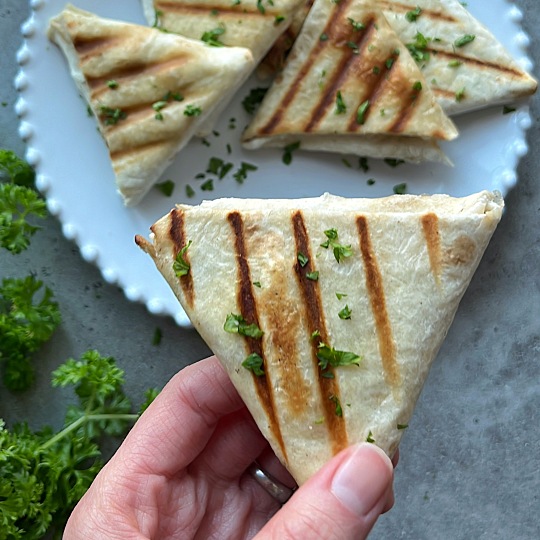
74, 171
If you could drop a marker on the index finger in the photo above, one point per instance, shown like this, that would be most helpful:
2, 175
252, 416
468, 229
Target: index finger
178, 424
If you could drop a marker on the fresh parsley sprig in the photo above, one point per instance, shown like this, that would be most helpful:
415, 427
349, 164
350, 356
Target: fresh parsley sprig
44, 474
28, 317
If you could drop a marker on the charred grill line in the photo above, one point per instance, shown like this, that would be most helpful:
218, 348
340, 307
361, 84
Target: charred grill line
248, 307
375, 89
314, 313
87, 47
430, 227
438, 53
178, 237
303, 71
375, 287
206, 9
341, 73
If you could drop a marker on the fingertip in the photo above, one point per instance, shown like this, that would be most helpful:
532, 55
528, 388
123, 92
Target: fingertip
363, 481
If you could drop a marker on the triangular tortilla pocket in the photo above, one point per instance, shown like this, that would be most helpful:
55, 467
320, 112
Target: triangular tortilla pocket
349, 86
327, 312
149, 90
254, 24
463, 62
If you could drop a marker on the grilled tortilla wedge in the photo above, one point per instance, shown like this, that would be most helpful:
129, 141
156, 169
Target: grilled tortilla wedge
255, 24
350, 86
464, 75
324, 280
148, 90
466, 65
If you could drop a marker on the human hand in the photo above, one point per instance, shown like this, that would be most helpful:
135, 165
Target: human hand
181, 474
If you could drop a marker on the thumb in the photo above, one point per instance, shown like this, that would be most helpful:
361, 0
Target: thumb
342, 501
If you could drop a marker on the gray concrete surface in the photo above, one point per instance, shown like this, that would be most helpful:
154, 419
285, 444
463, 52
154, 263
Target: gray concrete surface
470, 466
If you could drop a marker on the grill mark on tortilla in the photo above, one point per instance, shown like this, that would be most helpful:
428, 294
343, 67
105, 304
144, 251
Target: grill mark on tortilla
375, 287
314, 313
340, 75
177, 235
206, 9
376, 89
428, 13
291, 93
430, 226
88, 47
408, 101
125, 153
248, 310
437, 53
137, 70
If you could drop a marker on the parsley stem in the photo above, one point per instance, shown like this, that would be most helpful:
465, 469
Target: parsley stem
82, 420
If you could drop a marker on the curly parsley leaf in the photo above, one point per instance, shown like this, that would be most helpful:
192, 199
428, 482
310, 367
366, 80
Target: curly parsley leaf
17, 205
28, 317
180, 266
15, 169
254, 363
45, 474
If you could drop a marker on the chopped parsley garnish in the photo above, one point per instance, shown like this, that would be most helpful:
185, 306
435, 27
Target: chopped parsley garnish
302, 259
181, 266
190, 192
112, 84
112, 116
323, 37
354, 46
460, 95
370, 181
376, 70
370, 438
313, 276
252, 101
356, 24
236, 324
340, 295
345, 313
288, 150
363, 164
418, 48
315, 334
211, 37
157, 15
335, 400
241, 174
361, 112
340, 251
208, 185
341, 108
254, 363
464, 40
279, 19
328, 356
158, 334
393, 162
218, 167
507, 109
166, 187
192, 110
402, 426
257, 284
400, 189
347, 163
411, 16
455, 63
417, 86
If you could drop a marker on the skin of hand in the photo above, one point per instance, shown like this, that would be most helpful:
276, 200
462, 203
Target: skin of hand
181, 473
